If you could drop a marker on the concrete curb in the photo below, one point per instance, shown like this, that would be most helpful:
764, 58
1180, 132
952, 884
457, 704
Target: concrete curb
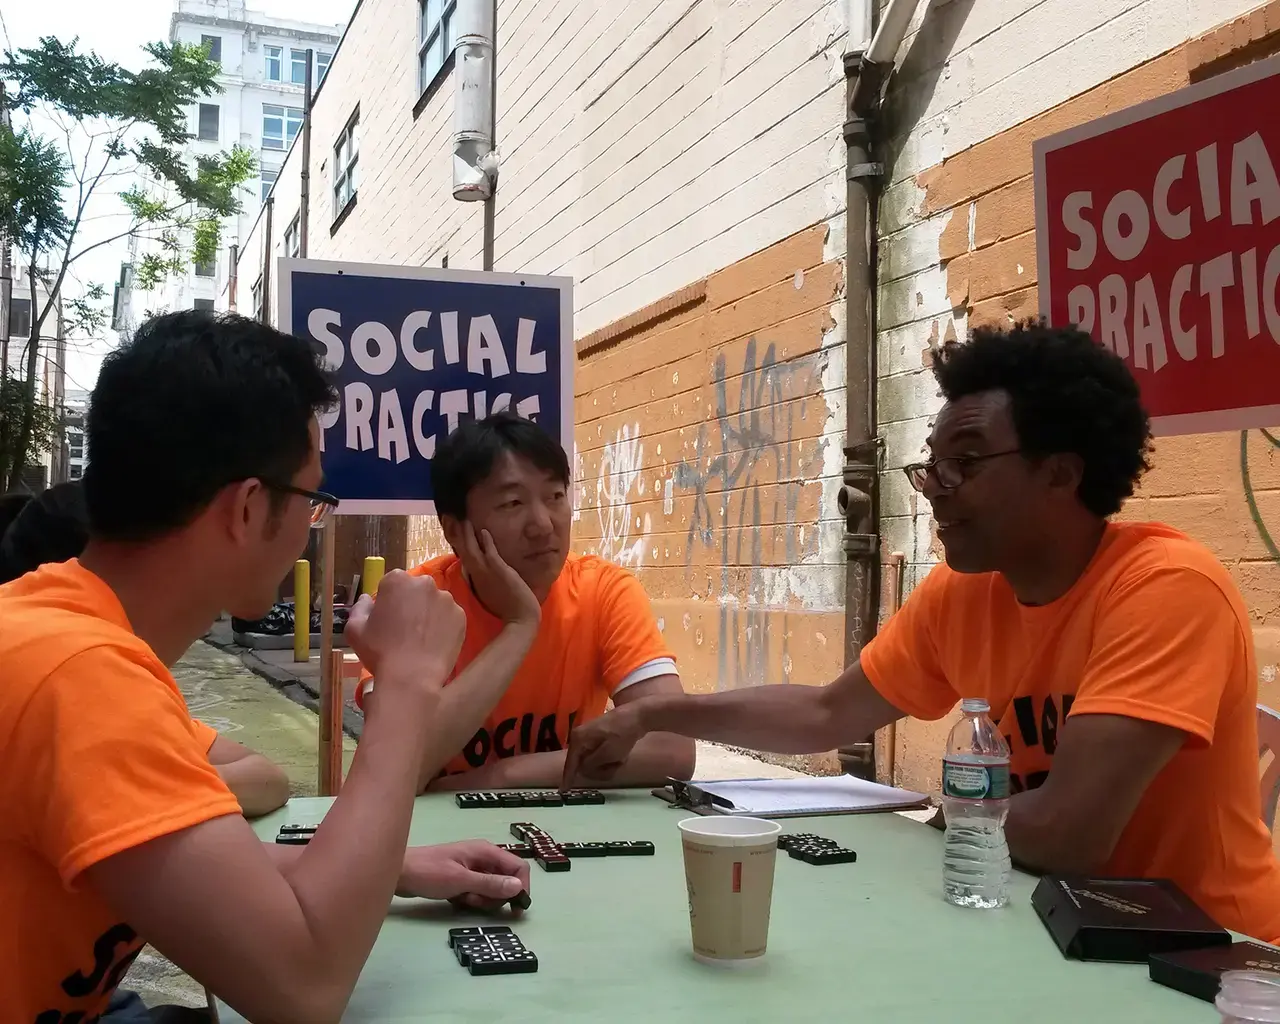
297, 690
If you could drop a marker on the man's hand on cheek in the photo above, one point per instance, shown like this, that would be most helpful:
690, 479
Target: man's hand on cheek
500, 587
474, 872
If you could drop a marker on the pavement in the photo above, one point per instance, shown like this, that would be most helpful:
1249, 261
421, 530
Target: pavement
266, 701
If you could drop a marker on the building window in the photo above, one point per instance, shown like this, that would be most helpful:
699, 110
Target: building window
19, 317
75, 473
280, 126
208, 122
298, 67
256, 298
435, 38
204, 269
213, 44
275, 63
205, 305
322, 65
346, 155
268, 179
293, 237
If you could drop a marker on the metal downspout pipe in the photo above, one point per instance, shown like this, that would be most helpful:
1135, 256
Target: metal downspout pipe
868, 62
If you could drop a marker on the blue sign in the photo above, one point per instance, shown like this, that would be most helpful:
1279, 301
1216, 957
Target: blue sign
414, 353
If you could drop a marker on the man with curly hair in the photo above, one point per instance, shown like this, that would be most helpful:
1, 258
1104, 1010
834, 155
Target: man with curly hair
1117, 657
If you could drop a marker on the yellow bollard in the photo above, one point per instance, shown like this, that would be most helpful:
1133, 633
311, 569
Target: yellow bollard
301, 610
374, 567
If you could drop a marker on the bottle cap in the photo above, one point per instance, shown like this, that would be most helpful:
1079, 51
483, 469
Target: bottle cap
1250, 995
974, 706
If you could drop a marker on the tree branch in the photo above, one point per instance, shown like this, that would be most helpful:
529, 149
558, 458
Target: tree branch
67, 258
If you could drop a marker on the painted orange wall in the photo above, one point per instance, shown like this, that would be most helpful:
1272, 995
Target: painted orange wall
1223, 489
709, 435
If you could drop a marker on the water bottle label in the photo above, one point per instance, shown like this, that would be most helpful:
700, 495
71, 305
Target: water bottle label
965, 780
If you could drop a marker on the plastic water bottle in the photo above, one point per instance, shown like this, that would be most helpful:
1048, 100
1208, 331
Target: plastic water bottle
1248, 997
975, 798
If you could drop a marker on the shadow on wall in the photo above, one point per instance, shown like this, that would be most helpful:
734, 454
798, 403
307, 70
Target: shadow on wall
913, 85
762, 478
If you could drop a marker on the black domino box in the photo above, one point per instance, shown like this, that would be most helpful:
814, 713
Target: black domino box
1198, 972
1122, 920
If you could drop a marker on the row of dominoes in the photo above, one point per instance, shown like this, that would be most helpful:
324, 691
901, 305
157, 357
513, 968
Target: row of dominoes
815, 850
295, 835
612, 849
492, 949
531, 798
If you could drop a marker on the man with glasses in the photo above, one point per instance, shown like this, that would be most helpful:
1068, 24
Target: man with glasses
116, 828
1117, 657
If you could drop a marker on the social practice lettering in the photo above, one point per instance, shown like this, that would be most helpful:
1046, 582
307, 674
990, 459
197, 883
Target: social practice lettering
380, 421
1134, 315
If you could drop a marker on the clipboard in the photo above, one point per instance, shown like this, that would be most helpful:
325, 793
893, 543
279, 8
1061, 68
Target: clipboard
807, 796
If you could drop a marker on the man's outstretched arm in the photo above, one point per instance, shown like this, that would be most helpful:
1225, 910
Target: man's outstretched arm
653, 759
258, 783
781, 719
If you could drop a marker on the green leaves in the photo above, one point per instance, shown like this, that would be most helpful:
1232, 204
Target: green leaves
33, 177
15, 400
84, 87
117, 126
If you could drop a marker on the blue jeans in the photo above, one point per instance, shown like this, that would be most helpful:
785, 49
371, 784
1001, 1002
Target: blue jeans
127, 1008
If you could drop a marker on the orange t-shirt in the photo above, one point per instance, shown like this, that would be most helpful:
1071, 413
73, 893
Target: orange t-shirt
98, 754
1154, 629
597, 636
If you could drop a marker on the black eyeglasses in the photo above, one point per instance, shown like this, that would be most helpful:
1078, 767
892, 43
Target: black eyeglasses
951, 470
322, 504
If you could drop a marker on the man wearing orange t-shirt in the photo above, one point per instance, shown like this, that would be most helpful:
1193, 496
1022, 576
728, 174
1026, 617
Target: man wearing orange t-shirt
552, 637
54, 527
115, 829
1117, 657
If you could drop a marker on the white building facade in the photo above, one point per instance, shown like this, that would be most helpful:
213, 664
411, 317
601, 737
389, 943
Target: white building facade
264, 66
686, 164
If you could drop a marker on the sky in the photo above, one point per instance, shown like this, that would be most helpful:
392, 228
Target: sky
117, 32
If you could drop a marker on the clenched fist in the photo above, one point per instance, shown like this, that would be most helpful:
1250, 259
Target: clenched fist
411, 634
597, 749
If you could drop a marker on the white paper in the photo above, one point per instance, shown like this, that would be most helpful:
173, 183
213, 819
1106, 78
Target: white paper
825, 794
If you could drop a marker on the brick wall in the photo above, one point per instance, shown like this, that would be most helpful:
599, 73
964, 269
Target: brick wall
643, 146
709, 435
683, 162
960, 250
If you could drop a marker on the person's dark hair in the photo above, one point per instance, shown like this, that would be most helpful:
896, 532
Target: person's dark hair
1069, 394
193, 402
10, 505
52, 527
467, 456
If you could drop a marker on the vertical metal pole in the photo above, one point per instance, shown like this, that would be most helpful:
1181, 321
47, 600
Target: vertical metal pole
329, 679
490, 204
264, 314
6, 270
302, 611
304, 202
58, 457
859, 500
233, 276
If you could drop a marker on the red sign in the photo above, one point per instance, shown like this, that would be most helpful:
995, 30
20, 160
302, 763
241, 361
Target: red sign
1158, 232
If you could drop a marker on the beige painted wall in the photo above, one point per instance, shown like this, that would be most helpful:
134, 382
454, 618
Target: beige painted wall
961, 247
684, 164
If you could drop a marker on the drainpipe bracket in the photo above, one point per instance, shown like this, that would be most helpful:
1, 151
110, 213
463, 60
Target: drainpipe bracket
857, 172
861, 545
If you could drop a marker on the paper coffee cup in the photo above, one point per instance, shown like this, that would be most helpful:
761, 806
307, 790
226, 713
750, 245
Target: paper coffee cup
728, 867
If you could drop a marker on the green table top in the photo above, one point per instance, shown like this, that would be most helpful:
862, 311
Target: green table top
871, 941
